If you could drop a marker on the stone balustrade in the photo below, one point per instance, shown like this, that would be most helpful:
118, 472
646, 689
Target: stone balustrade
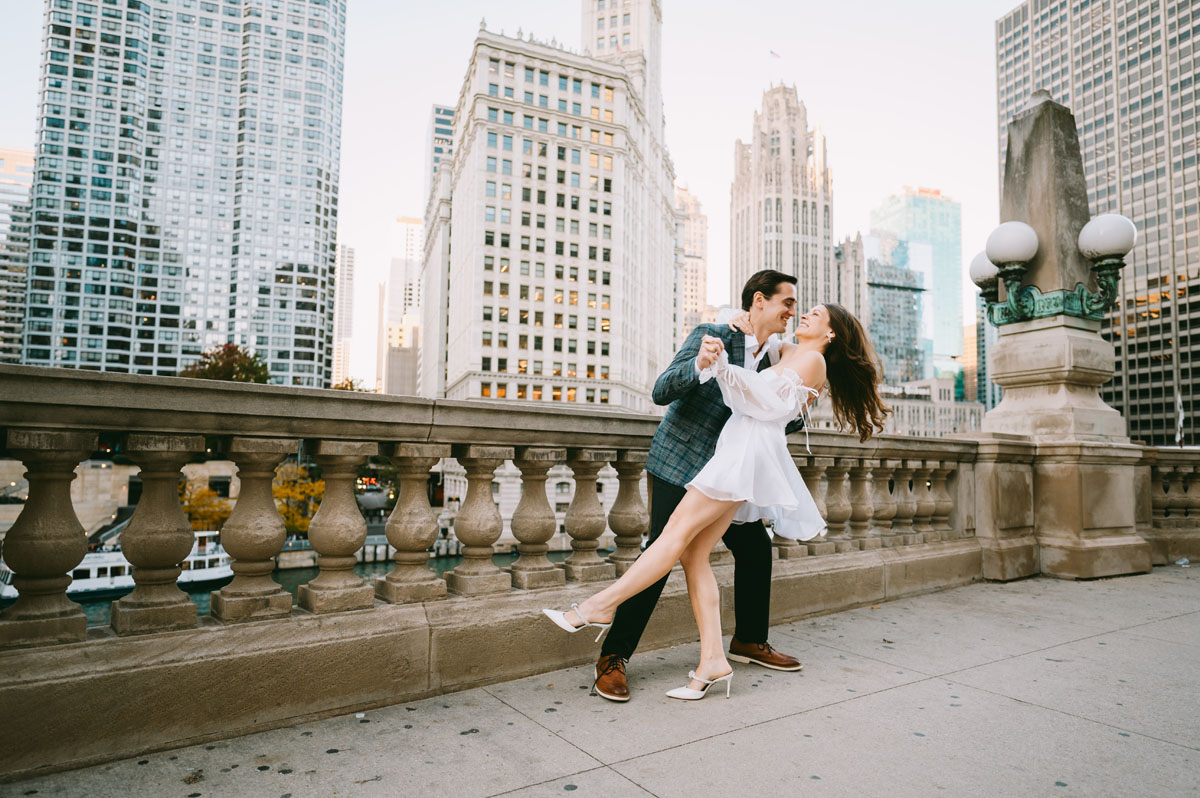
905, 515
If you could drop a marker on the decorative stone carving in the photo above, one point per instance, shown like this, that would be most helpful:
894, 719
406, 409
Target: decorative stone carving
478, 524
337, 532
628, 517
253, 534
412, 527
533, 522
46, 541
158, 538
585, 517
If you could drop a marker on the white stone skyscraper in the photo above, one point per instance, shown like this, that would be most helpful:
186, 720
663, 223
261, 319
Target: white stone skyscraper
343, 313
439, 142
186, 186
781, 201
550, 256
693, 279
1127, 71
16, 180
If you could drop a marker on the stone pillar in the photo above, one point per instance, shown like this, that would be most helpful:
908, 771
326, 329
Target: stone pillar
906, 505
158, 538
412, 527
253, 535
882, 504
585, 517
338, 531
628, 517
46, 541
1051, 366
943, 504
478, 524
811, 469
533, 522
861, 507
926, 503
837, 504
1004, 507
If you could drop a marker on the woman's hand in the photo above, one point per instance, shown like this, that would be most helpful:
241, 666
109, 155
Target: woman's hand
741, 323
710, 350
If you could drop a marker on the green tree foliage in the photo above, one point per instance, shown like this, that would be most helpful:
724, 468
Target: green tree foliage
228, 362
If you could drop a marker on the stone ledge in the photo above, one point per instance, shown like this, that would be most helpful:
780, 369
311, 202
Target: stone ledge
217, 681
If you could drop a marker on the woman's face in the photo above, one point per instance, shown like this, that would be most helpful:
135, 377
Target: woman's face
814, 325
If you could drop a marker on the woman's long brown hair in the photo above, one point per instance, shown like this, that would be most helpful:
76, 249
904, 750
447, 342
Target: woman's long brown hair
853, 374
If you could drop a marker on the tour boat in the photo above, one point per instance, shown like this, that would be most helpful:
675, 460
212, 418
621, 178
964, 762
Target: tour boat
107, 571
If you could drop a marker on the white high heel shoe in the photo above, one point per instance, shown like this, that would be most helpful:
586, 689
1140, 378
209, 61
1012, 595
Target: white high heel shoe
688, 694
560, 618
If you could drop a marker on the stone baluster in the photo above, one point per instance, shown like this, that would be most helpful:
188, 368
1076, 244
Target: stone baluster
837, 504
860, 504
411, 527
533, 522
943, 502
628, 517
1176, 499
883, 503
786, 548
158, 538
812, 469
1193, 498
338, 531
253, 535
46, 541
585, 517
906, 505
478, 524
1159, 492
925, 502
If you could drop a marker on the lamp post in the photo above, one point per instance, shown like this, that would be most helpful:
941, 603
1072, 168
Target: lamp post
1012, 246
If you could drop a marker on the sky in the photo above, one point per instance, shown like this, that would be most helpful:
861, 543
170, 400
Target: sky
905, 94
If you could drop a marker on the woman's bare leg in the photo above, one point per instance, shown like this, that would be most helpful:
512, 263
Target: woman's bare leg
695, 513
706, 601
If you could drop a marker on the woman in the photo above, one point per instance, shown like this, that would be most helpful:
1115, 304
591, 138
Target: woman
751, 474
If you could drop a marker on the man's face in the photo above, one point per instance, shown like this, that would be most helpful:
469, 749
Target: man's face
775, 312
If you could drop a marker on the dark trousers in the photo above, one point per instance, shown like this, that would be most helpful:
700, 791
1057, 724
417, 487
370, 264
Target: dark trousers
751, 549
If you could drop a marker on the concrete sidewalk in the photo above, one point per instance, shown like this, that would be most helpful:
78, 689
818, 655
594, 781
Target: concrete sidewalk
1038, 687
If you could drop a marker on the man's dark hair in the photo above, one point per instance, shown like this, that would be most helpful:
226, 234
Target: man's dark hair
767, 281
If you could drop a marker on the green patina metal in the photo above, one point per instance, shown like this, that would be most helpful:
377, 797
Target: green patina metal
1028, 302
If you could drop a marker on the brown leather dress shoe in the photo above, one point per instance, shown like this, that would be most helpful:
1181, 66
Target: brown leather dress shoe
610, 678
762, 654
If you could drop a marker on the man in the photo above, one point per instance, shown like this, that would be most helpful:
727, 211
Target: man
683, 443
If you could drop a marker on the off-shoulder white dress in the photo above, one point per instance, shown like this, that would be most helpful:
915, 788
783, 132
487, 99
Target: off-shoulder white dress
751, 463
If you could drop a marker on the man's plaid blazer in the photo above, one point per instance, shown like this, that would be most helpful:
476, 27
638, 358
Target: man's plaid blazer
687, 436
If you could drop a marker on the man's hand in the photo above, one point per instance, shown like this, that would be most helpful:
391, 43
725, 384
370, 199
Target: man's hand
710, 350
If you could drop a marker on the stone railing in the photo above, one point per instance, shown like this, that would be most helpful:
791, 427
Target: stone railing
902, 516
1171, 521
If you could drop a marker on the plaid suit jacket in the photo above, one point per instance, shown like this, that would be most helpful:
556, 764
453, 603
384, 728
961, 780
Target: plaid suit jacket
687, 436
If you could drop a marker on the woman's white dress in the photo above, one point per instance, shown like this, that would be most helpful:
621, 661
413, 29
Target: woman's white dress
751, 463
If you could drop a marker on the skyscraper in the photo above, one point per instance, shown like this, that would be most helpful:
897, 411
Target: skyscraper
1126, 70
343, 313
400, 310
186, 185
693, 281
16, 178
555, 279
439, 142
925, 216
781, 201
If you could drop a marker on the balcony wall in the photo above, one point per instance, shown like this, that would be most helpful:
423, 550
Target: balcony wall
905, 515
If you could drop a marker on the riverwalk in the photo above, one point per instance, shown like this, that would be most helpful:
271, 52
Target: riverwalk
1030, 688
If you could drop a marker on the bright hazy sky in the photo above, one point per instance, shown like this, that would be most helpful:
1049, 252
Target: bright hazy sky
905, 94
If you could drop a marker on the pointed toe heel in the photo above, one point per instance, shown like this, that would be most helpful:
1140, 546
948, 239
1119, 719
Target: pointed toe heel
686, 693
560, 620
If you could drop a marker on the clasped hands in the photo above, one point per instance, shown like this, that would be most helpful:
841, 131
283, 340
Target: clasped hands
711, 348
